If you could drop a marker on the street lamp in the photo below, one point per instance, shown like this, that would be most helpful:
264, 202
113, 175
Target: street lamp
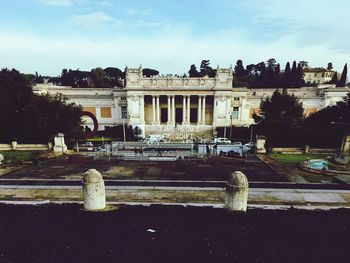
123, 129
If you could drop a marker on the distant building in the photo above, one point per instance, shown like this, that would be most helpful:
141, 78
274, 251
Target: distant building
184, 107
317, 75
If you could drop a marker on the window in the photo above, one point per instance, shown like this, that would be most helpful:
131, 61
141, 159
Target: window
122, 98
106, 112
235, 113
236, 98
124, 112
90, 109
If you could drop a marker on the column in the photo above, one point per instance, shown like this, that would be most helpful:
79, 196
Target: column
154, 109
199, 113
203, 110
183, 109
142, 109
158, 110
173, 109
214, 111
169, 118
188, 109
228, 109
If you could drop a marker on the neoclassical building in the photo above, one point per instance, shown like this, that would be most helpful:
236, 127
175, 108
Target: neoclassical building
183, 107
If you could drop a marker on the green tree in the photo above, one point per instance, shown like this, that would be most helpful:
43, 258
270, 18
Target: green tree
280, 116
330, 66
325, 128
334, 79
193, 72
148, 72
342, 81
206, 69
99, 77
32, 118
239, 69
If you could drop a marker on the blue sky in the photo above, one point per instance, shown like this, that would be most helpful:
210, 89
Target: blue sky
49, 35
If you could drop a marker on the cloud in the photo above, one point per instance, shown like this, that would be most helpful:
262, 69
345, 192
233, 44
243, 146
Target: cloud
311, 22
132, 12
94, 19
143, 23
57, 2
106, 4
169, 52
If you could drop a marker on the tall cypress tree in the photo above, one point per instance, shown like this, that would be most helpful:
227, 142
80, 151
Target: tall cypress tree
334, 79
286, 76
300, 76
341, 82
293, 78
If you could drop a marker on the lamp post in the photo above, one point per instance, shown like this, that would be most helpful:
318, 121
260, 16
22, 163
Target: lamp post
124, 129
231, 117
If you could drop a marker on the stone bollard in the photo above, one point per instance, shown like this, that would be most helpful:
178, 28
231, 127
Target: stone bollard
93, 190
236, 193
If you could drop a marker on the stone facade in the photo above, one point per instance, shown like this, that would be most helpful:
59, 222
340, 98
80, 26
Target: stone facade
183, 107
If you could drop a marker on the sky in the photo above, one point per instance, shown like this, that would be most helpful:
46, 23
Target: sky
46, 36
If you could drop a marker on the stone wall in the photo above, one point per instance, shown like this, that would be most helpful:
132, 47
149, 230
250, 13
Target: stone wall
25, 147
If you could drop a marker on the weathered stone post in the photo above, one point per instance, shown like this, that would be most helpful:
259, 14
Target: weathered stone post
14, 145
260, 144
236, 198
93, 190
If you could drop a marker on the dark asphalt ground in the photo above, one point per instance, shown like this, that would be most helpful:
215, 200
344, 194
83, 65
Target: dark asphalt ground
213, 169
65, 233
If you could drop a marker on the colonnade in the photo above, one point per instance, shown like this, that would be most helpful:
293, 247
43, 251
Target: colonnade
186, 109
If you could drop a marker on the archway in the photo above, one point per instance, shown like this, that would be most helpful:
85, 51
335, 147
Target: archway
92, 116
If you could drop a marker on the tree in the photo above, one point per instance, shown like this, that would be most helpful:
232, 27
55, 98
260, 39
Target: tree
148, 72
303, 64
206, 70
325, 128
239, 69
99, 77
33, 118
342, 81
193, 72
280, 118
114, 73
330, 66
286, 76
334, 79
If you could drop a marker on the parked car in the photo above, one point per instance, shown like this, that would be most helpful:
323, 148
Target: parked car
87, 144
154, 138
221, 140
237, 144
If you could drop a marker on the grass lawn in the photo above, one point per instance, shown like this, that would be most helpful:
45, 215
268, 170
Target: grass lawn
99, 139
294, 159
16, 156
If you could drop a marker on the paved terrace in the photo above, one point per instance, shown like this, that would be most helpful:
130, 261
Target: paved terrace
132, 182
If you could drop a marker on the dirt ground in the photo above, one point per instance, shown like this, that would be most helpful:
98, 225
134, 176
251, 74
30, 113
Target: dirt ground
73, 166
66, 233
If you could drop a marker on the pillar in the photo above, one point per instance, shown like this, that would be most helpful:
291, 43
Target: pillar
142, 108
173, 109
199, 113
183, 109
154, 109
169, 113
158, 110
203, 110
236, 197
189, 109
